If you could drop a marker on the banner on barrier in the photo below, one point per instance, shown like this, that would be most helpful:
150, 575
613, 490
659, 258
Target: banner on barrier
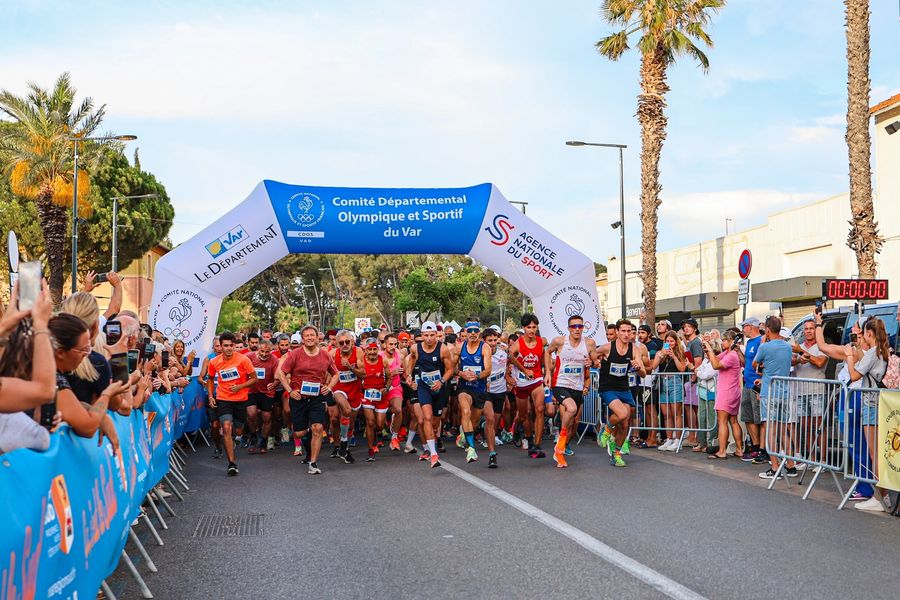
278, 219
65, 512
888, 442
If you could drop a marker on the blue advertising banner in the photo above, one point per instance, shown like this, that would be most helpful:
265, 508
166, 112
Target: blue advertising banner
393, 221
65, 513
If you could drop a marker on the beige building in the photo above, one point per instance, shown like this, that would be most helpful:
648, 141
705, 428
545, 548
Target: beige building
137, 283
792, 252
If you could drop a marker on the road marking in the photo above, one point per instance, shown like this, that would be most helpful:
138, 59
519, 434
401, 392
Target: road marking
640, 571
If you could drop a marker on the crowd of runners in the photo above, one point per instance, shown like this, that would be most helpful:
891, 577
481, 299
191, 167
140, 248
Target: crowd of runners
407, 391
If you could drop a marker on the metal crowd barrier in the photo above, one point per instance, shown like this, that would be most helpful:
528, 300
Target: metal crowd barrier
860, 425
590, 411
802, 427
671, 405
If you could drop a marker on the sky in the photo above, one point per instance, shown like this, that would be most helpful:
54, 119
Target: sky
225, 94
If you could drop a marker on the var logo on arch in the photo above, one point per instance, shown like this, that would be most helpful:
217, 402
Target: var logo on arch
223, 243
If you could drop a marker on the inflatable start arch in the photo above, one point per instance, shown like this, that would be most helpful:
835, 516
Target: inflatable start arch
278, 219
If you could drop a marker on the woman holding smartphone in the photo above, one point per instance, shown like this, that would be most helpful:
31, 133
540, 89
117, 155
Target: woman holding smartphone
670, 364
184, 363
93, 374
728, 392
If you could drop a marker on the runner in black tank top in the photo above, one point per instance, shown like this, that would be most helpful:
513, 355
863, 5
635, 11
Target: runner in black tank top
435, 368
620, 357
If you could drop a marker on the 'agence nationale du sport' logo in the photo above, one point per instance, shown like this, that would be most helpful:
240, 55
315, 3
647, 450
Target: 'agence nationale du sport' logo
305, 209
499, 230
223, 243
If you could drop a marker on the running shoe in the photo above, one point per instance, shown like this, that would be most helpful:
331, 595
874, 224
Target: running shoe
770, 474
336, 452
560, 458
347, 457
536, 452
353, 441
497, 441
426, 454
232, 469
461, 441
314, 469
791, 471
471, 456
304, 460
435, 461
606, 441
492, 461
569, 451
440, 445
395, 444
517, 439
760, 459
857, 497
371, 455
524, 443
617, 461
285, 435
749, 456
873, 504
298, 450
626, 447
270, 443
483, 443
407, 449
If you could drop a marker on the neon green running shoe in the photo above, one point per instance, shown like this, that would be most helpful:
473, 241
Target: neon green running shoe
471, 456
626, 447
617, 460
461, 441
607, 441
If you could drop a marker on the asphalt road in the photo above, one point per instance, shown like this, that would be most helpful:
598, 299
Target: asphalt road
664, 527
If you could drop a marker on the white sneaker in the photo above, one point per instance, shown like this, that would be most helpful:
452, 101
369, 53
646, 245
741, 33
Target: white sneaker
801, 466
285, 435
673, 445
497, 441
872, 504
162, 492
664, 446
270, 443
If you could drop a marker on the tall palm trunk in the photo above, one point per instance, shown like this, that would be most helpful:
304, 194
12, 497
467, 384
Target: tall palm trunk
863, 238
652, 118
54, 223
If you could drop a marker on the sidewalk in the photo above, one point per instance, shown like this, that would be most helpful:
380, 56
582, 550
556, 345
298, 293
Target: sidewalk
735, 469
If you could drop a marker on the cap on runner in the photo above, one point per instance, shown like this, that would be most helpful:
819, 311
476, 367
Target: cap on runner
429, 326
296, 338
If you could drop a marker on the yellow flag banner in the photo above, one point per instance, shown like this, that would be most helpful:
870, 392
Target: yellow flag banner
888, 440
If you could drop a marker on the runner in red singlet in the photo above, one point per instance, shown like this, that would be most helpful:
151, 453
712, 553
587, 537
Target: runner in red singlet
348, 395
528, 354
375, 387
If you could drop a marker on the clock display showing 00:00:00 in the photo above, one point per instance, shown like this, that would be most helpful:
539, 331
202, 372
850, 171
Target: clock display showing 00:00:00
856, 289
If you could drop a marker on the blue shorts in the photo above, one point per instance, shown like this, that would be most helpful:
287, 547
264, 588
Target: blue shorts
625, 396
436, 400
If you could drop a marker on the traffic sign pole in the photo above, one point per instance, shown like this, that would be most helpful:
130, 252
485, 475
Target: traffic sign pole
745, 263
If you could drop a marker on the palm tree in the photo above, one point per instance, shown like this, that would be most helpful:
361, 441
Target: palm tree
668, 29
37, 155
863, 238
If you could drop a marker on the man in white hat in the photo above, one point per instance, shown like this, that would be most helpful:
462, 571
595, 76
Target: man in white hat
435, 370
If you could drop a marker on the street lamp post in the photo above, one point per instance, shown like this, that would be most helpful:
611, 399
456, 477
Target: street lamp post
621, 222
75, 140
337, 293
115, 226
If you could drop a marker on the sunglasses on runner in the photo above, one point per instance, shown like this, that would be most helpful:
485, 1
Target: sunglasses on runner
472, 330
345, 342
576, 326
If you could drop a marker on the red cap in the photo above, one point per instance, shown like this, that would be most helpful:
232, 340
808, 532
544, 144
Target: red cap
402, 336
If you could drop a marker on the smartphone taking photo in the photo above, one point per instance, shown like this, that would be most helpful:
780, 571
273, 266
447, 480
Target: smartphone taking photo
30, 275
119, 365
134, 356
113, 331
101, 278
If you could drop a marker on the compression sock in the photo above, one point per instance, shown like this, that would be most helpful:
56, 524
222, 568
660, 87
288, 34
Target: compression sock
561, 442
431, 447
470, 438
345, 427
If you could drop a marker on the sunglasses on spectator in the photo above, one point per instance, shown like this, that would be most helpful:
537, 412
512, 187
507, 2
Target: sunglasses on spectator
576, 326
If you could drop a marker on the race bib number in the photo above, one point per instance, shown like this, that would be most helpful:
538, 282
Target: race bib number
573, 369
260, 373
632, 379
618, 369
430, 377
229, 374
308, 388
495, 377
372, 395
347, 376
522, 377
472, 369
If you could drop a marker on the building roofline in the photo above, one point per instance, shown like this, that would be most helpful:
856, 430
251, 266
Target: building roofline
885, 104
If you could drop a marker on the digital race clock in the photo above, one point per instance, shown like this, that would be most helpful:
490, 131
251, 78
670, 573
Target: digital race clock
855, 289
